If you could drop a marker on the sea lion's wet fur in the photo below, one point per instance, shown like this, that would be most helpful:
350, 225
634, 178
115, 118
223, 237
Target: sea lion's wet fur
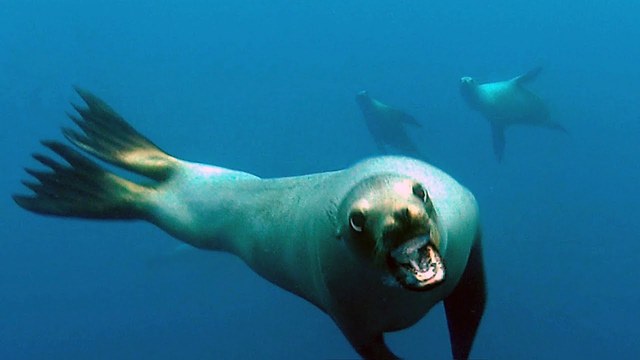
507, 103
286, 229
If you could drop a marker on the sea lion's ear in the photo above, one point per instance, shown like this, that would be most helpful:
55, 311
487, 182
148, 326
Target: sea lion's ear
465, 306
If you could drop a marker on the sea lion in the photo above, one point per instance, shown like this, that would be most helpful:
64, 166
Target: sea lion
374, 246
387, 125
506, 103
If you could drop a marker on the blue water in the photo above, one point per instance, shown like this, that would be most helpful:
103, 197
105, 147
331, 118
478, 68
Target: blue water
268, 87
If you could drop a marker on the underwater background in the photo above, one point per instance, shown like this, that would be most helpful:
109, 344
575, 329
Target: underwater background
268, 87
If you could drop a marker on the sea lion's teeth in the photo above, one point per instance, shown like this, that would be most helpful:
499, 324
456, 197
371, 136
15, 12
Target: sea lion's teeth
425, 262
415, 265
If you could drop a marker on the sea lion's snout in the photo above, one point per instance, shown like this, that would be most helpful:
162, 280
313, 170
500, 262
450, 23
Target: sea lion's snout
403, 221
412, 249
467, 83
468, 88
362, 98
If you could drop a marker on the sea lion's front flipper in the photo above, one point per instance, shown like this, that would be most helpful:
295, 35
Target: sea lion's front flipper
465, 306
497, 134
376, 350
528, 76
369, 347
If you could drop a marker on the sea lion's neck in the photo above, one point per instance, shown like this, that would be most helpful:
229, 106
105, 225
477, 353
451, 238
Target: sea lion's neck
283, 207
253, 219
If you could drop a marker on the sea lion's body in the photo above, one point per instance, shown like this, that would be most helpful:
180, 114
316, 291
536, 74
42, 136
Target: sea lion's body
507, 103
298, 230
387, 125
293, 231
498, 101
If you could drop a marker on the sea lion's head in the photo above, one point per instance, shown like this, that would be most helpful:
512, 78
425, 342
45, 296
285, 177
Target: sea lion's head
467, 82
468, 89
389, 221
363, 99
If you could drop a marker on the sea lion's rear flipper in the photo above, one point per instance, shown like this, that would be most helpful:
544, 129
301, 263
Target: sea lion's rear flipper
109, 137
557, 126
406, 118
79, 187
497, 134
465, 306
83, 189
528, 76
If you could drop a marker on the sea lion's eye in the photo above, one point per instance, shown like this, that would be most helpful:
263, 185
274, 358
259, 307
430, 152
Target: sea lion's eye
419, 192
357, 221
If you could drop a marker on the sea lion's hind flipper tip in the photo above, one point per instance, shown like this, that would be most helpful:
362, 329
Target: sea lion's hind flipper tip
529, 76
80, 189
559, 127
38, 204
82, 92
109, 137
22, 200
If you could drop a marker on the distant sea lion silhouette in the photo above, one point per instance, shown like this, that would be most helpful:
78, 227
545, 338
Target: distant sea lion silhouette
387, 125
375, 246
506, 103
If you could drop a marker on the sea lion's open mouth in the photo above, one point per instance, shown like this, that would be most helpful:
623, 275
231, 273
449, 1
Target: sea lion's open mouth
417, 264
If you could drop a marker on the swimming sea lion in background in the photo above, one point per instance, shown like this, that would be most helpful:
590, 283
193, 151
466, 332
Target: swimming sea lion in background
506, 103
375, 246
387, 125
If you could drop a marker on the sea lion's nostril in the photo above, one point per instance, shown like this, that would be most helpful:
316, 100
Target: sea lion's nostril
403, 214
